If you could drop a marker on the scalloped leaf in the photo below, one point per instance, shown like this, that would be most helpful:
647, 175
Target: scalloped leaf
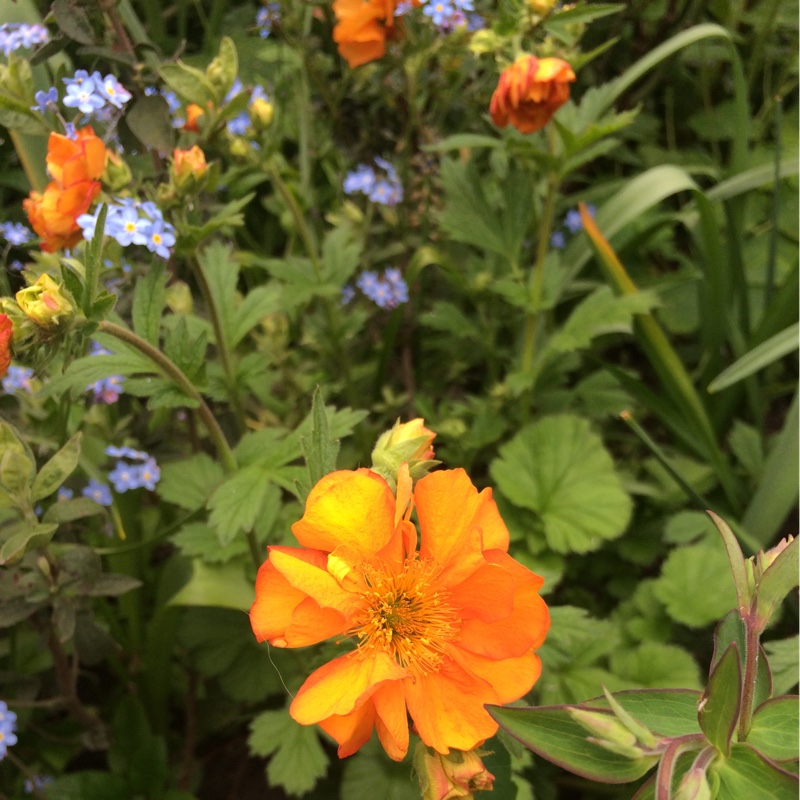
774, 730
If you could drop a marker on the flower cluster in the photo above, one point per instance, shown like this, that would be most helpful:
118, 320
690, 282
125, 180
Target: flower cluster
126, 475
18, 379
132, 222
412, 602
530, 91
386, 292
572, 224
94, 94
75, 166
16, 35
387, 191
448, 14
8, 727
15, 233
266, 17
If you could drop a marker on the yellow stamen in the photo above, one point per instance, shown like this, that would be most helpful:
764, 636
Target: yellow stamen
406, 617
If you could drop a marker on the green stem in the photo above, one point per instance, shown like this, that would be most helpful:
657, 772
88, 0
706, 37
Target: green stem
222, 345
750, 673
176, 374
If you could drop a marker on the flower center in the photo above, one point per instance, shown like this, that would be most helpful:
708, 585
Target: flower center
405, 616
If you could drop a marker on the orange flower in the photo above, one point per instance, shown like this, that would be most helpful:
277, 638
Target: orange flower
187, 164
53, 214
193, 113
362, 27
530, 91
423, 639
6, 331
73, 161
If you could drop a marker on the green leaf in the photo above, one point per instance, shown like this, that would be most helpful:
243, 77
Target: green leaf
28, 538
695, 584
87, 785
69, 510
189, 83
84, 371
16, 116
228, 61
223, 586
461, 140
559, 468
320, 449
736, 561
774, 729
187, 352
150, 121
341, 254
370, 774
111, 584
57, 469
775, 347
149, 299
600, 313
298, 760
73, 20
238, 501
550, 732
200, 540
778, 580
260, 302
190, 482
746, 774
719, 709
669, 712
221, 272
784, 662
657, 665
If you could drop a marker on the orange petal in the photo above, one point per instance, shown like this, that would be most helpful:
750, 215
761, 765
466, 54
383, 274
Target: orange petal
391, 719
447, 708
311, 578
470, 596
353, 508
524, 628
343, 685
451, 513
511, 678
352, 730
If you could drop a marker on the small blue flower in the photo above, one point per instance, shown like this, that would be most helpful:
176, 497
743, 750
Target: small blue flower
125, 225
160, 237
112, 91
45, 100
8, 727
572, 221
82, 95
97, 491
557, 240
107, 390
37, 782
361, 179
88, 222
239, 124
124, 477
15, 233
149, 474
64, 494
387, 291
18, 378
439, 11
348, 293
14, 36
266, 18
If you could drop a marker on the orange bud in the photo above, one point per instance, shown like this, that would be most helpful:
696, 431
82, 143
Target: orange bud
72, 161
456, 775
193, 113
6, 331
188, 164
530, 91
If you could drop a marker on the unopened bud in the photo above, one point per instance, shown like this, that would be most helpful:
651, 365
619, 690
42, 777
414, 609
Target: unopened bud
261, 112
459, 774
193, 114
179, 298
694, 786
188, 166
46, 302
117, 174
407, 442
604, 726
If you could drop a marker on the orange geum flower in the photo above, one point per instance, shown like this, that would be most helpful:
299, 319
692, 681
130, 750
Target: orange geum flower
53, 214
6, 332
422, 637
362, 27
71, 161
530, 91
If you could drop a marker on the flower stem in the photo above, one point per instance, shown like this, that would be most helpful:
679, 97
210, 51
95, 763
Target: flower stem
750, 673
169, 368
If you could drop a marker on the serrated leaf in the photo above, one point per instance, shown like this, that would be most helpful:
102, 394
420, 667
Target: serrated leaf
237, 502
746, 774
222, 274
319, 448
149, 299
774, 729
657, 665
187, 352
341, 254
189, 483
600, 313
165, 394
228, 61
559, 468
369, 773
260, 302
57, 469
447, 317
695, 584
298, 760
150, 121
719, 708
200, 540
784, 662
27, 538
84, 371
461, 140
550, 732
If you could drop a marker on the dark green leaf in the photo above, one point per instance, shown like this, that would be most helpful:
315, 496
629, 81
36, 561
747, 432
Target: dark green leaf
87, 786
187, 352
149, 299
784, 662
731, 629
551, 733
222, 274
774, 729
150, 121
111, 584
73, 21
260, 302
16, 116
719, 709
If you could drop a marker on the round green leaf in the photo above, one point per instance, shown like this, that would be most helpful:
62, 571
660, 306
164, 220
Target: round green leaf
559, 468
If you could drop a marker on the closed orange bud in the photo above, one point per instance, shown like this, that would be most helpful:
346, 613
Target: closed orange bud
457, 775
193, 113
53, 214
71, 161
6, 331
188, 164
530, 91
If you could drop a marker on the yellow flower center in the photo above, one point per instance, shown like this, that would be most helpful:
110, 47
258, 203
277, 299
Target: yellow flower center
406, 617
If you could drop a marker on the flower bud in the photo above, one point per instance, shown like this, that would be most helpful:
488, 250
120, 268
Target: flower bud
46, 302
6, 332
457, 775
694, 786
193, 114
117, 174
541, 7
188, 167
179, 298
261, 112
409, 442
